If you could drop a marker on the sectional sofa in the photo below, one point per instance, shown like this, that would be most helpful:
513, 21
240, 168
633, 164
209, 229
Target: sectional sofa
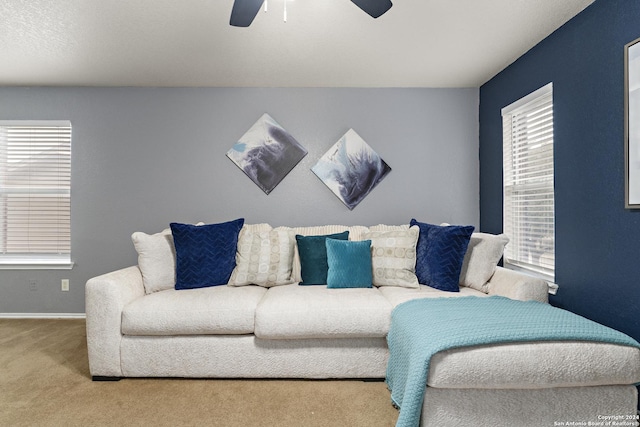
140, 325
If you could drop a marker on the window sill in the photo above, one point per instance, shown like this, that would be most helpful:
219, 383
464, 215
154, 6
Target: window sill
31, 265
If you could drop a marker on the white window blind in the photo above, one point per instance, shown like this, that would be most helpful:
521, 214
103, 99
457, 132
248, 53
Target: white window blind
529, 184
35, 187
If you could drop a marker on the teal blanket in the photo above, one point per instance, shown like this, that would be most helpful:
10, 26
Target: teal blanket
423, 327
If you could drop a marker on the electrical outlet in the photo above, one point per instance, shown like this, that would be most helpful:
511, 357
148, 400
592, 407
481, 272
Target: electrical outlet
64, 285
33, 285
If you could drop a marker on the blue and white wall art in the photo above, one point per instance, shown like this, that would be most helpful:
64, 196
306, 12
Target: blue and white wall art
351, 169
266, 153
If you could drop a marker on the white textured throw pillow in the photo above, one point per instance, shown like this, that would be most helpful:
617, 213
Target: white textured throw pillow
480, 261
393, 257
264, 258
156, 260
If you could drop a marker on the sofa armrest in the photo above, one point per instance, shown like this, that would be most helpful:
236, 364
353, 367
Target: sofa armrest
518, 286
105, 298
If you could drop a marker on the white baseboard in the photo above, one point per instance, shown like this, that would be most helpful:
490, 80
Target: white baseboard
42, 316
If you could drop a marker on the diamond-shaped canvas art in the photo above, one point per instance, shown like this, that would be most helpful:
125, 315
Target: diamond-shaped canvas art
351, 169
266, 153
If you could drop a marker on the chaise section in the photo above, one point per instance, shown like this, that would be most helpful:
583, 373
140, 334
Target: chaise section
204, 311
536, 365
303, 312
550, 382
486, 344
528, 408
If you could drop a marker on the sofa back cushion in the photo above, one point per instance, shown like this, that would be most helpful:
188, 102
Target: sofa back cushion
480, 261
385, 227
156, 260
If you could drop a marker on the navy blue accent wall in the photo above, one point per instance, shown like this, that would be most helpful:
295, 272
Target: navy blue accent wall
597, 240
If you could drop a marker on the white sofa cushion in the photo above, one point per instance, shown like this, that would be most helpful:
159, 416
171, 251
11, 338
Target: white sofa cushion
156, 260
480, 260
257, 228
396, 295
214, 310
300, 312
263, 258
385, 227
393, 257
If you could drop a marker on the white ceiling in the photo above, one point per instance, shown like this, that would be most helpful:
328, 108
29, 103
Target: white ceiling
324, 43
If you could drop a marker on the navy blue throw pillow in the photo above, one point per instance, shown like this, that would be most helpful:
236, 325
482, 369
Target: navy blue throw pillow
205, 254
440, 252
313, 257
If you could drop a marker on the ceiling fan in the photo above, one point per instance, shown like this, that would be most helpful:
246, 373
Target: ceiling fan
244, 11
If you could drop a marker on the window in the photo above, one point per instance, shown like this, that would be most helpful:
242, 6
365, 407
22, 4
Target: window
35, 188
529, 184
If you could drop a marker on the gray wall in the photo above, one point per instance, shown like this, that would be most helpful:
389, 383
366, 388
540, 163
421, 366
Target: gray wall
144, 157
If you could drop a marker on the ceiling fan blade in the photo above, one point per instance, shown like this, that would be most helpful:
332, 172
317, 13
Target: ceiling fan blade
244, 11
375, 8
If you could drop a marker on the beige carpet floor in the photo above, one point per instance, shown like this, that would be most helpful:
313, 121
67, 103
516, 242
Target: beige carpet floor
45, 381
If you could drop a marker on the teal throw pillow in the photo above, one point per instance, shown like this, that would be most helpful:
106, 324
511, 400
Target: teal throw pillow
349, 264
313, 257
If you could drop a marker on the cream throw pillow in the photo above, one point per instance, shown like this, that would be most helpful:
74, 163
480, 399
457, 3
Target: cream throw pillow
480, 261
156, 260
393, 257
264, 258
